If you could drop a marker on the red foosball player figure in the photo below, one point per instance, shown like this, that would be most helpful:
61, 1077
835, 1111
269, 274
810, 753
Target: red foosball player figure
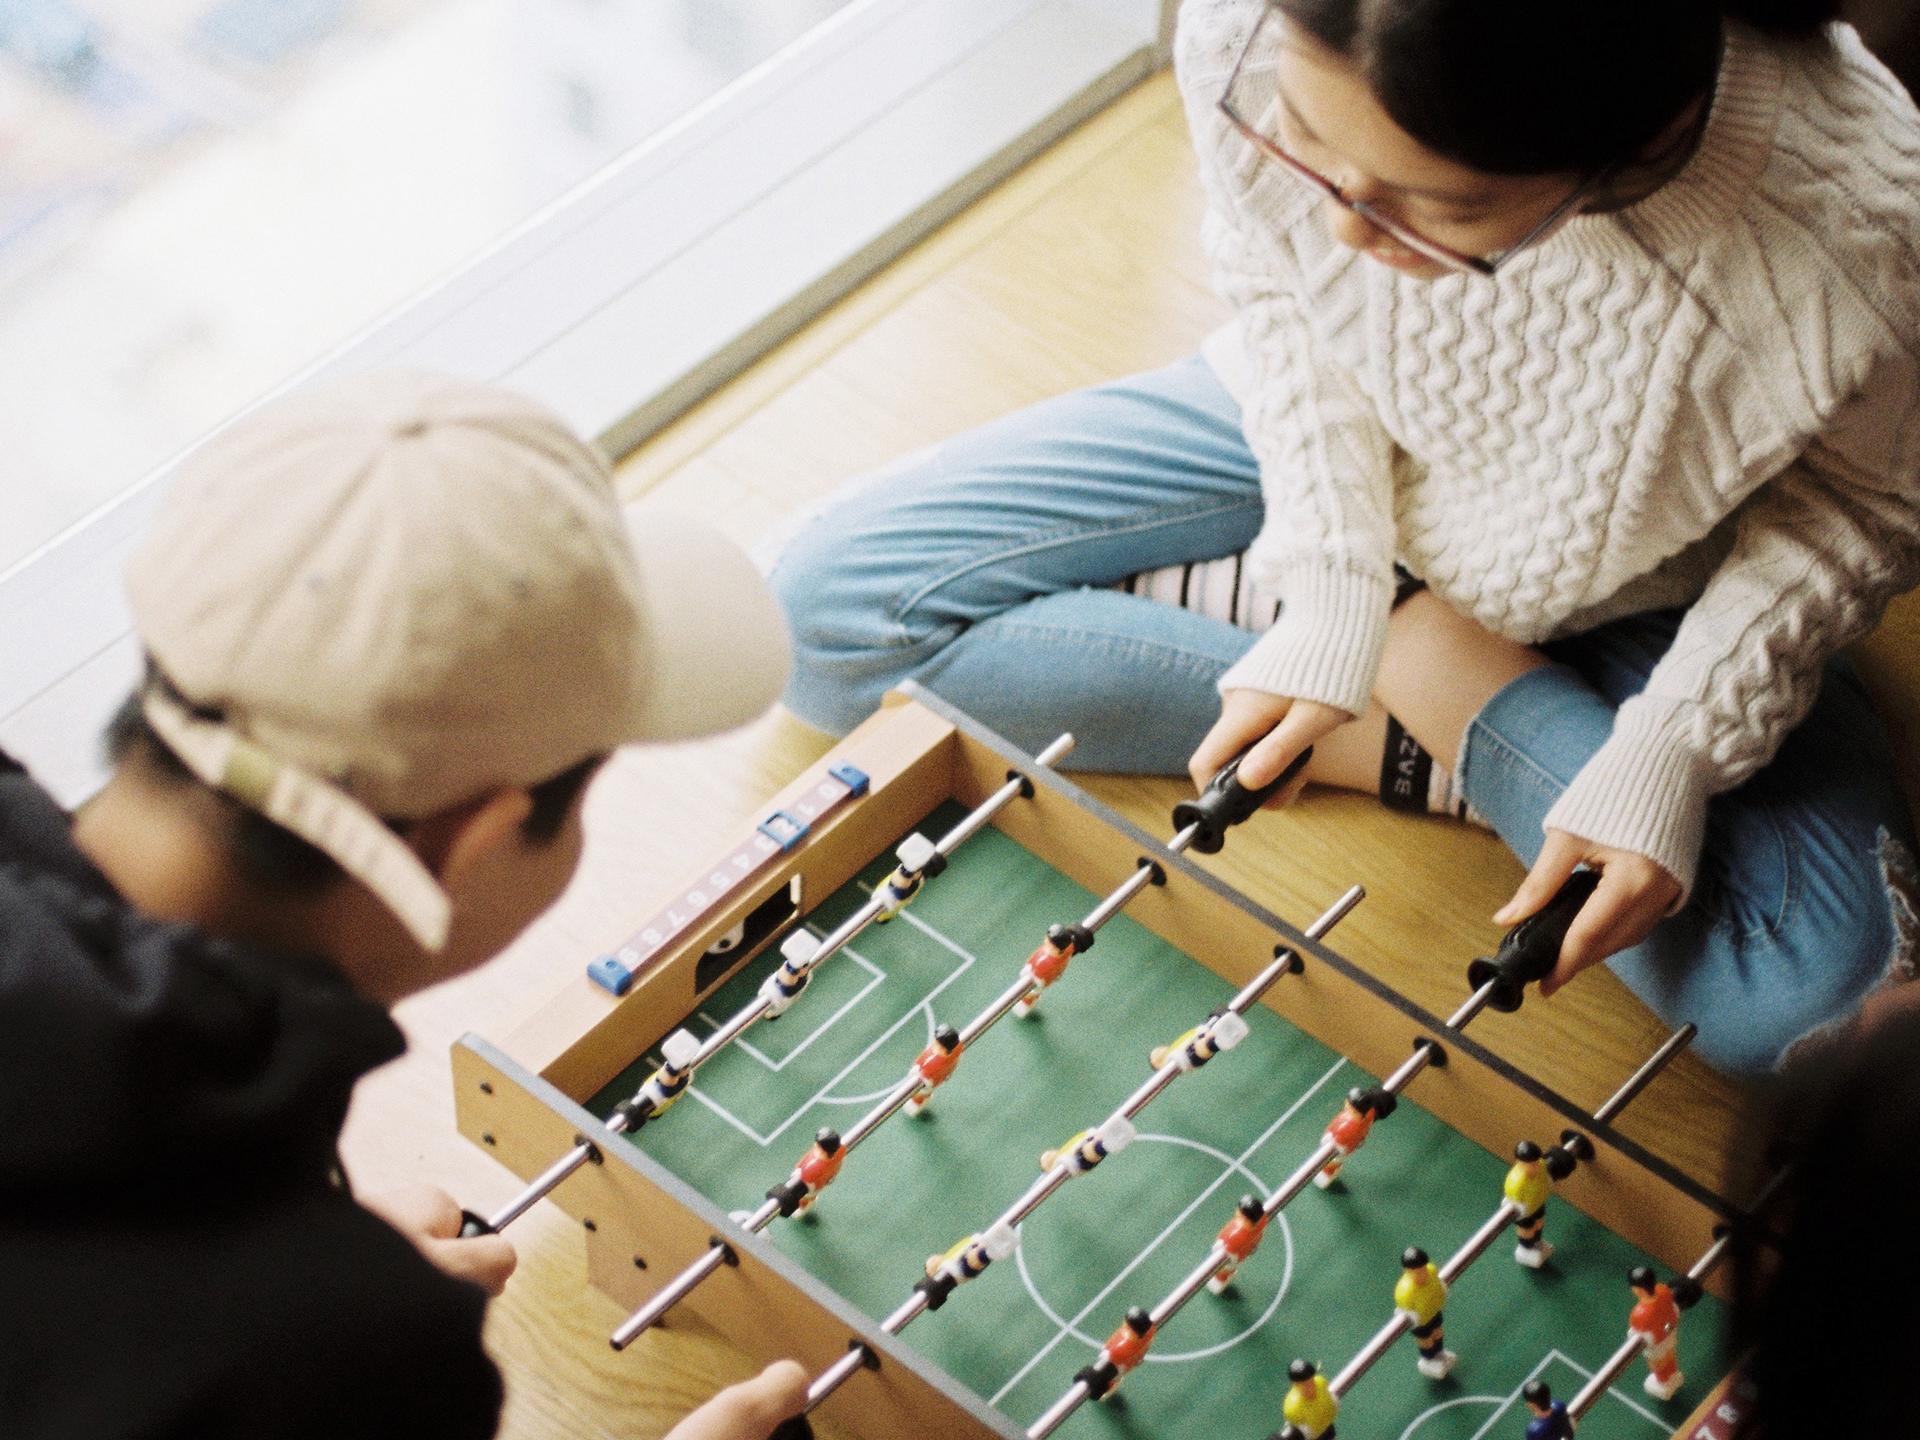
1310, 1407
1348, 1130
1528, 1185
934, 1065
1239, 1237
1127, 1346
1550, 1418
1048, 963
1422, 1295
818, 1166
1656, 1315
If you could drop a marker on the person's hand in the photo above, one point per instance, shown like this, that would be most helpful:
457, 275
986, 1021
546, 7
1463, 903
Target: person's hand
1281, 727
749, 1410
428, 1217
1633, 894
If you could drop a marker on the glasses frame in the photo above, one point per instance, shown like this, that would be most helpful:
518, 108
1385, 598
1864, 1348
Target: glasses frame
1455, 260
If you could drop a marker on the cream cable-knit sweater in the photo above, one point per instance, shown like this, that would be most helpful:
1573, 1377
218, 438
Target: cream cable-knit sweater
1710, 399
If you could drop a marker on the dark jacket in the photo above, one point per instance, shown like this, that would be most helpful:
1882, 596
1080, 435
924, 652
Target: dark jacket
177, 1254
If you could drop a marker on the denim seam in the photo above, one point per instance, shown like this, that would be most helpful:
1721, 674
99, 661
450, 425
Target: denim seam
1770, 929
1066, 535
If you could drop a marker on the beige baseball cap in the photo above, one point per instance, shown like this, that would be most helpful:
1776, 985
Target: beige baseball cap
401, 591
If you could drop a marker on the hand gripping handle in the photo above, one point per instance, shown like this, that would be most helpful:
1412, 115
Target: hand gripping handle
1532, 948
1226, 802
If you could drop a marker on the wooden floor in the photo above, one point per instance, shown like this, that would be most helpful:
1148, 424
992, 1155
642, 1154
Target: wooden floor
1085, 266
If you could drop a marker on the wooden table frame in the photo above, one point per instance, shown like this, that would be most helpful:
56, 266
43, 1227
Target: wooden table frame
523, 1099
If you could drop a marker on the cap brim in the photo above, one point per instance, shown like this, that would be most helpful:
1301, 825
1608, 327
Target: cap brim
717, 646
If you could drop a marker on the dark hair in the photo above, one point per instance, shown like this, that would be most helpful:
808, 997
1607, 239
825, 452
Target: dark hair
274, 858
1825, 1276
1527, 88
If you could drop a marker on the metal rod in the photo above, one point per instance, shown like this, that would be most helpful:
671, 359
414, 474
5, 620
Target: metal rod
1122, 893
1508, 1212
836, 1375
1478, 1242
971, 824
996, 1011
1644, 1076
905, 1314
1077, 1395
540, 1186
1472, 1006
1636, 1341
1285, 960
644, 1318
881, 1113
1049, 1183
1388, 1335
896, 1098
841, 935
1178, 1298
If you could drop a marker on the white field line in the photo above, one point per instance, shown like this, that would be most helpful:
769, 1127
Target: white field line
1164, 1235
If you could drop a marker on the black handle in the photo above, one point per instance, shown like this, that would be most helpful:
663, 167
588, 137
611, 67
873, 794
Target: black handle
1532, 948
472, 1225
1226, 802
796, 1428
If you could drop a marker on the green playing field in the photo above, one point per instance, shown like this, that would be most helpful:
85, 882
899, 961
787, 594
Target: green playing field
1124, 1234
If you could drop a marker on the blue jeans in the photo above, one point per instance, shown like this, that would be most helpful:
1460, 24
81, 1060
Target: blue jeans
982, 569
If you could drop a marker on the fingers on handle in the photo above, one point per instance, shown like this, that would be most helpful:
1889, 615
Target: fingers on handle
1559, 857
751, 1409
485, 1260
444, 1217
1623, 911
1221, 744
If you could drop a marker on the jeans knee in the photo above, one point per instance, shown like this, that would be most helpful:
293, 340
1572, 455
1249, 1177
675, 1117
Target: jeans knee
847, 650
1805, 979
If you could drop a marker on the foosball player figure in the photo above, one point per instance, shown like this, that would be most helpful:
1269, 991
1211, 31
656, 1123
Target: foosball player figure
665, 1085
1421, 1295
1123, 1352
1222, 1031
1656, 1315
919, 858
1528, 1185
818, 1166
1239, 1237
1349, 1129
1550, 1418
1090, 1147
1310, 1407
1048, 963
934, 1065
784, 985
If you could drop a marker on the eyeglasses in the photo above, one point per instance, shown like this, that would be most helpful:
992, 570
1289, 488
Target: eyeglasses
1380, 220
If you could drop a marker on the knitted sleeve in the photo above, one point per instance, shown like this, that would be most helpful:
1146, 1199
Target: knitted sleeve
1326, 546
1818, 553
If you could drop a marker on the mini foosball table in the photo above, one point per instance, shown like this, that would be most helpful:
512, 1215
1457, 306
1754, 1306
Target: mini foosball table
1008, 1119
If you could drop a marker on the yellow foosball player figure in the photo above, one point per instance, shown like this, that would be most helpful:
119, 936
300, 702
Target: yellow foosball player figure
1421, 1295
1309, 1408
392, 626
1528, 1185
